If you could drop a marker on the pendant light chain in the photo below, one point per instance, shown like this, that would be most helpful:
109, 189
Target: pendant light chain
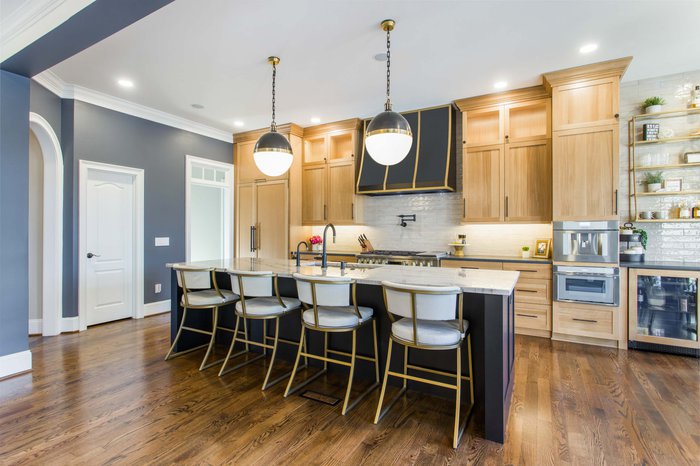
273, 125
387, 105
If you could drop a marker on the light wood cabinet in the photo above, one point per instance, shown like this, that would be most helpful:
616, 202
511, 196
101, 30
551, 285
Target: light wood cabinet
328, 193
313, 206
528, 168
585, 320
506, 158
465, 264
246, 169
585, 167
263, 219
586, 104
482, 184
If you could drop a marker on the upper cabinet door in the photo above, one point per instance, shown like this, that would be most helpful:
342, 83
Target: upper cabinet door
245, 211
483, 126
482, 185
341, 193
585, 167
313, 206
342, 146
528, 167
272, 212
586, 104
316, 149
528, 121
246, 170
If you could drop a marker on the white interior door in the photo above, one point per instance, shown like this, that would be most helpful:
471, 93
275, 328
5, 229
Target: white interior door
109, 242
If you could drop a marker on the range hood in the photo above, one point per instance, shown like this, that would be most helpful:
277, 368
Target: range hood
430, 165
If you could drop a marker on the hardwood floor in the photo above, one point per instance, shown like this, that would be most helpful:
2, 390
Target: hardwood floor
106, 396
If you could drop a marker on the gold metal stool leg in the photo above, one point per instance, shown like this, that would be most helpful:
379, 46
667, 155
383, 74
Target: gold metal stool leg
302, 342
230, 349
352, 372
179, 332
376, 352
215, 324
274, 351
458, 396
386, 377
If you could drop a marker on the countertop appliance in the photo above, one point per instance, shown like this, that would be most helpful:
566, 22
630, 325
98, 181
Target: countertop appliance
593, 285
411, 258
596, 241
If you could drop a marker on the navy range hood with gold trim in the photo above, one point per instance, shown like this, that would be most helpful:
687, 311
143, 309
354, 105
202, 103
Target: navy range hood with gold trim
430, 165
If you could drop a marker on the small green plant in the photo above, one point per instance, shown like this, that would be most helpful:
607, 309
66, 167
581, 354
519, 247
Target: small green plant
526, 248
653, 101
653, 177
643, 237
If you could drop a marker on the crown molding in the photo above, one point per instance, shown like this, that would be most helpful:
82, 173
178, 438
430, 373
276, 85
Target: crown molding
604, 69
502, 98
55, 84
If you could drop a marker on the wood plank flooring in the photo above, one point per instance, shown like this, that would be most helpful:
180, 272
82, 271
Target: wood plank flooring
106, 396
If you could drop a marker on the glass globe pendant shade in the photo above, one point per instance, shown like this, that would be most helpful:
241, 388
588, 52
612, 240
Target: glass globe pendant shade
273, 154
388, 138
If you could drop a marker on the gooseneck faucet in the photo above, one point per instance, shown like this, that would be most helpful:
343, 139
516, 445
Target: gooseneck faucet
324, 258
307, 248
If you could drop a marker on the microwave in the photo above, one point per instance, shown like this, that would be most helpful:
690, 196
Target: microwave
592, 285
597, 241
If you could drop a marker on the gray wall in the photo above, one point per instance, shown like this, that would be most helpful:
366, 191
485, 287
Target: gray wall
101, 135
47, 104
14, 163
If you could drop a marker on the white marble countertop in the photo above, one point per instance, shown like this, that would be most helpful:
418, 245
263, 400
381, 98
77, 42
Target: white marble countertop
496, 282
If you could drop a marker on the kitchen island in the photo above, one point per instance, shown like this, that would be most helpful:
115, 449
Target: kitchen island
488, 306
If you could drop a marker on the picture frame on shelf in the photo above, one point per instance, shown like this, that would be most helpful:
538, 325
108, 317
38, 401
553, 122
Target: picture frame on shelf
542, 248
673, 185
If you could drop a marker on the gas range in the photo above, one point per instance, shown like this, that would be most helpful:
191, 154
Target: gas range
411, 258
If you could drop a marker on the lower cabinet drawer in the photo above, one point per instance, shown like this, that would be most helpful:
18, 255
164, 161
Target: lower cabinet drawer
534, 316
469, 264
533, 290
585, 322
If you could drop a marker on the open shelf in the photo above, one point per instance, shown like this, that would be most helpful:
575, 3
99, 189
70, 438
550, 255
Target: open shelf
667, 220
666, 167
668, 193
668, 114
666, 140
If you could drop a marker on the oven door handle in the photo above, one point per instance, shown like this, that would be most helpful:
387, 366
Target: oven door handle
596, 275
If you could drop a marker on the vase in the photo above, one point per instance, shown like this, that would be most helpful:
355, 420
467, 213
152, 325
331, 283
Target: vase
653, 187
316, 247
526, 254
653, 109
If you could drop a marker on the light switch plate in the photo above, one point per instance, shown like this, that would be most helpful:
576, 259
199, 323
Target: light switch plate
158, 288
162, 241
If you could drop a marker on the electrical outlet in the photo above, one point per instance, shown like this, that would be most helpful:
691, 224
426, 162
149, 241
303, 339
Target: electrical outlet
159, 288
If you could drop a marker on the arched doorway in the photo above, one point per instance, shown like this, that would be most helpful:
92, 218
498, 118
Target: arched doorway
52, 226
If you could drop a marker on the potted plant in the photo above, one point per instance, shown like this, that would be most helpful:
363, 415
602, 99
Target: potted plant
316, 242
653, 104
526, 252
653, 181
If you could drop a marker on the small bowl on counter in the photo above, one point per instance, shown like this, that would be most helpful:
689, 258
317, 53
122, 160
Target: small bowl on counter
646, 215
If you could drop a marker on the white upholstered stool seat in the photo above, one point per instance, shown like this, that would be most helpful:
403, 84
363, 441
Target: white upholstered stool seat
337, 317
268, 306
429, 332
209, 298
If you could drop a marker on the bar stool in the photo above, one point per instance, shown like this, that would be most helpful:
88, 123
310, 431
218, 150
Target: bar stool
207, 296
428, 323
259, 300
327, 309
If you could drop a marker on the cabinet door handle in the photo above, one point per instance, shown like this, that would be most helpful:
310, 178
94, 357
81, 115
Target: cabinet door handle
464, 207
352, 211
252, 238
325, 212
525, 291
526, 271
506, 203
526, 315
616, 201
590, 321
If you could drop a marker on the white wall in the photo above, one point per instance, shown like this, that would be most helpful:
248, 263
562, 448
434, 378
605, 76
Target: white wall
206, 216
672, 241
35, 215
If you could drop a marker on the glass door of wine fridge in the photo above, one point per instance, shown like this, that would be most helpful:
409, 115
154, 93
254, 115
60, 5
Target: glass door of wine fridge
664, 311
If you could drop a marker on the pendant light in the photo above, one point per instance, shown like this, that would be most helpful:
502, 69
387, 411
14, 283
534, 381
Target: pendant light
273, 153
389, 137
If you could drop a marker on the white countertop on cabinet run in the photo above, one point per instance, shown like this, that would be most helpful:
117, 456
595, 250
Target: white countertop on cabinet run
496, 282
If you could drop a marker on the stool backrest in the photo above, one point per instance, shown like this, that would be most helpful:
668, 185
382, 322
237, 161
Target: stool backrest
252, 284
423, 302
324, 291
194, 278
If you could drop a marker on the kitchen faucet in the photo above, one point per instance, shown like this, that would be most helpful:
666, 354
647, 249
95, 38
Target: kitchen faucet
307, 248
324, 257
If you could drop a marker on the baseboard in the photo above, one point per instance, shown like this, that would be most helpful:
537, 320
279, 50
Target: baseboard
70, 324
15, 363
35, 327
157, 307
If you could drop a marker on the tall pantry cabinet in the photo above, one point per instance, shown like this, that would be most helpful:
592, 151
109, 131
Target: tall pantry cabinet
585, 140
268, 209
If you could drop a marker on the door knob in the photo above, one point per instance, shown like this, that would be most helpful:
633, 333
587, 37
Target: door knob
91, 255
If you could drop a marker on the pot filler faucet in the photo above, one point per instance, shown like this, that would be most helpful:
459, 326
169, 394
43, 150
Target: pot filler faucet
324, 258
307, 248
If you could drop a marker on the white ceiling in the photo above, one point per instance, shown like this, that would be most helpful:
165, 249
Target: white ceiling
213, 52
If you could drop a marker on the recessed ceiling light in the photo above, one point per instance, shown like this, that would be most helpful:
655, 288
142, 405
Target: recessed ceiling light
123, 82
198, 106
588, 48
500, 85
238, 123
381, 56
315, 120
